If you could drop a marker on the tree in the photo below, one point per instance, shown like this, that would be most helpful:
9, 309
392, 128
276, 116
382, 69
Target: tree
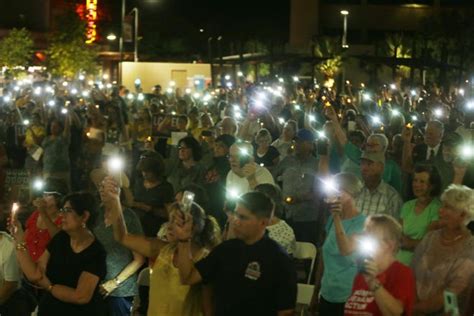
68, 53
330, 49
69, 58
397, 45
16, 49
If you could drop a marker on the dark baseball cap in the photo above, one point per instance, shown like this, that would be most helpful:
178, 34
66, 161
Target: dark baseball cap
305, 135
55, 186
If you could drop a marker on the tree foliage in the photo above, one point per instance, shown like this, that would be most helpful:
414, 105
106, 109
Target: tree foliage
330, 49
16, 48
68, 53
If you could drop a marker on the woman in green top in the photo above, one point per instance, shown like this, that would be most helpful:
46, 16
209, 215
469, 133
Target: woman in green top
420, 215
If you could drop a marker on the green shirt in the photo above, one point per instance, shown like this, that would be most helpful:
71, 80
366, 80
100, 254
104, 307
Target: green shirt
415, 226
339, 270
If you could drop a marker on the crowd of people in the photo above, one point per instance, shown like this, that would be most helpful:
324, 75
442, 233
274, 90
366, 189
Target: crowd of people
205, 193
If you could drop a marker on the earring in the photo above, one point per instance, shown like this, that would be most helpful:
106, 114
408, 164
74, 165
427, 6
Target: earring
83, 225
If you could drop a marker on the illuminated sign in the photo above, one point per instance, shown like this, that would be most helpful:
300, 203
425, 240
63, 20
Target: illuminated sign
91, 17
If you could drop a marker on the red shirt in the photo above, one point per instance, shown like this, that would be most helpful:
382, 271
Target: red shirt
37, 239
398, 280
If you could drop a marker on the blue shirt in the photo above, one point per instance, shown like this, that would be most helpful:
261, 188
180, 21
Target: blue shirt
339, 270
118, 257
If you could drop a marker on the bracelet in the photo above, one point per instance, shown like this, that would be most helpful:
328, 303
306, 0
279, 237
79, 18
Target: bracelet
21, 246
376, 286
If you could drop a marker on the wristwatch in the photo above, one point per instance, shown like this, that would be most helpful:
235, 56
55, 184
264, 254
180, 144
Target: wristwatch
376, 286
117, 281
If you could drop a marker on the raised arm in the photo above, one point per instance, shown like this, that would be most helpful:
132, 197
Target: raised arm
407, 152
148, 247
341, 137
346, 244
33, 271
53, 229
188, 273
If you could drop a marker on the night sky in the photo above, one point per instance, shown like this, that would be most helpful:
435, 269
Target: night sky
168, 22
243, 19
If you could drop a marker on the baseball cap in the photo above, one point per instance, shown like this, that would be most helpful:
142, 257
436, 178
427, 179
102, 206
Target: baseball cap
227, 140
305, 135
55, 186
373, 156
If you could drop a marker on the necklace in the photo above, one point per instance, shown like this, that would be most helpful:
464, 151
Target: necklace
450, 241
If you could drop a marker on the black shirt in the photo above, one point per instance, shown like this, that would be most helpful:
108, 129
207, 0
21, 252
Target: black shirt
64, 268
268, 158
258, 279
156, 197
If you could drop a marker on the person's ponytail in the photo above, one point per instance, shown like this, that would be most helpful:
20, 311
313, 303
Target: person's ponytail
210, 235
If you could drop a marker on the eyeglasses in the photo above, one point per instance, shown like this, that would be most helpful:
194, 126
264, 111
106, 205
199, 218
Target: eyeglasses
66, 210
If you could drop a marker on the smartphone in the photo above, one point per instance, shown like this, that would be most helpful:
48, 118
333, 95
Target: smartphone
351, 126
115, 165
187, 201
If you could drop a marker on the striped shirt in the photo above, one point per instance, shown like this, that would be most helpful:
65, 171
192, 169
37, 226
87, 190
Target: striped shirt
383, 200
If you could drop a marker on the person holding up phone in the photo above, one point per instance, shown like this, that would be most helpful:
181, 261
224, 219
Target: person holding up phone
169, 296
337, 269
383, 286
245, 174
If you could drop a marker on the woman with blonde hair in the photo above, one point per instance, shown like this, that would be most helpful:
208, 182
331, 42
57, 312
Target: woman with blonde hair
167, 295
444, 260
265, 154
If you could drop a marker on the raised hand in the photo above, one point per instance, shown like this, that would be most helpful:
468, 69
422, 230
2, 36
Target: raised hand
181, 225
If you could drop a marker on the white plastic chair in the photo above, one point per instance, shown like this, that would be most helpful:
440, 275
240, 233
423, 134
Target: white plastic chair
306, 250
304, 295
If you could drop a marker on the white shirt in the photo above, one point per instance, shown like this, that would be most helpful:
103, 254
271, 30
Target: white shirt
240, 185
9, 269
283, 234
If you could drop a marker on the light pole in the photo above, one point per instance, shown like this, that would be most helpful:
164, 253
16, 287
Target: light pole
122, 17
221, 60
345, 13
135, 52
209, 51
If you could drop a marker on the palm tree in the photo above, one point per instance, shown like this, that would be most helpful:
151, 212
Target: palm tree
330, 49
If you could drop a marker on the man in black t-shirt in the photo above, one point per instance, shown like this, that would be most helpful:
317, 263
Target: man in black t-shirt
250, 275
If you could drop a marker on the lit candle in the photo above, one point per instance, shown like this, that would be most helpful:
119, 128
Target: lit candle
15, 208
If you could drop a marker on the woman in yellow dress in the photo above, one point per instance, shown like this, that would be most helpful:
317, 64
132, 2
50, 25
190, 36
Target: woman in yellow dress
168, 297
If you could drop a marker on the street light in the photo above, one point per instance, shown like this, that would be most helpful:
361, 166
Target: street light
345, 13
111, 37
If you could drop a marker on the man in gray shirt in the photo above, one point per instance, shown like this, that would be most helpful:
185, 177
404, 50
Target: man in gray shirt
297, 175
